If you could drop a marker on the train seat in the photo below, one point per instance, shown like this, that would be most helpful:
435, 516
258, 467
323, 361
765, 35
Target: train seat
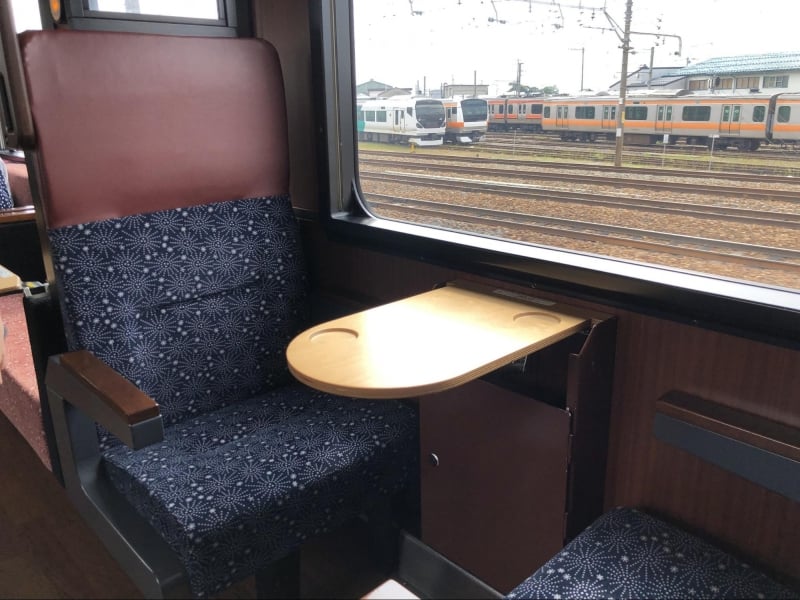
6, 201
627, 553
179, 272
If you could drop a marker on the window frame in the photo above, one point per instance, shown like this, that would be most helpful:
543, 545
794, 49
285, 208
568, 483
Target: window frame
777, 82
234, 20
751, 310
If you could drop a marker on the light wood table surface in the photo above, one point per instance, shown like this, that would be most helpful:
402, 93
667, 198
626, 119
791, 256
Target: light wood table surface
426, 343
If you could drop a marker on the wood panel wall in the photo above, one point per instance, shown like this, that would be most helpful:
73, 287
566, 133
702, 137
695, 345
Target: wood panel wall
653, 356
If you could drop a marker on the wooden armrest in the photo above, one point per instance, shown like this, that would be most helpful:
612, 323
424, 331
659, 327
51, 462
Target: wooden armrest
17, 215
763, 451
86, 382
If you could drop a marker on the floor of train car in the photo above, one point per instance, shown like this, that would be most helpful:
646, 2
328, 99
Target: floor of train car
47, 551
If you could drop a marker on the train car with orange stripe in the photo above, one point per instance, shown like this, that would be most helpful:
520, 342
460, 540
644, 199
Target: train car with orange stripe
511, 114
785, 125
744, 122
466, 120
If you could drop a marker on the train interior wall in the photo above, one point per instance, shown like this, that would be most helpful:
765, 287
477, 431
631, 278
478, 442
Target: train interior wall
653, 356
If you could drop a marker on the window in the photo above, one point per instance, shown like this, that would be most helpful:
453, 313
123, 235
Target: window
635, 113
776, 81
758, 114
584, 112
671, 281
748, 83
696, 113
370, 115
698, 84
177, 17
784, 113
380, 116
725, 83
546, 112
197, 9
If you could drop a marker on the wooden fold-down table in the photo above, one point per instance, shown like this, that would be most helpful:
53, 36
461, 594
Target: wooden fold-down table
424, 344
514, 399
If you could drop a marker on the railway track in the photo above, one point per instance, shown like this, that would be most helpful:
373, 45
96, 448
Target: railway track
748, 255
431, 159
635, 156
528, 192
791, 197
766, 151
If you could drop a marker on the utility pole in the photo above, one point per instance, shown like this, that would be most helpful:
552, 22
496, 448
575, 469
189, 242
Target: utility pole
519, 76
623, 83
583, 53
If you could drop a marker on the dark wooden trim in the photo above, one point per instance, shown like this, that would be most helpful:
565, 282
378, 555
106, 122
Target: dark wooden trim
736, 424
17, 215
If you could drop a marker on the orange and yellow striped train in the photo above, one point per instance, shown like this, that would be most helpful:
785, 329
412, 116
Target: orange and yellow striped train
743, 121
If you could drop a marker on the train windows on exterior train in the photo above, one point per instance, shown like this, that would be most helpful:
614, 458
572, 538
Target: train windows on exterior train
696, 113
541, 200
635, 113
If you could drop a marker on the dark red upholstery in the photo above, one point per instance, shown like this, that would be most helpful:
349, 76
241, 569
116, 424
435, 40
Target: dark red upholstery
18, 182
19, 396
211, 153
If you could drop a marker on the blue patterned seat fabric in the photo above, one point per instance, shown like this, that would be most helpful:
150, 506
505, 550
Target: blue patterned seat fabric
6, 201
629, 554
196, 306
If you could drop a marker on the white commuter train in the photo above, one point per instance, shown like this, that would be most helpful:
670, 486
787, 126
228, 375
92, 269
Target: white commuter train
401, 120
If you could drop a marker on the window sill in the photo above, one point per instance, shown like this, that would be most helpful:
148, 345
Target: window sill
750, 310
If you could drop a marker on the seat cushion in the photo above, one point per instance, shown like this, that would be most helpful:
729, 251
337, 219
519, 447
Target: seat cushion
629, 554
234, 489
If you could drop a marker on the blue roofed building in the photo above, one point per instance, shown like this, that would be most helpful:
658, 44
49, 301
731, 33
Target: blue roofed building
773, 72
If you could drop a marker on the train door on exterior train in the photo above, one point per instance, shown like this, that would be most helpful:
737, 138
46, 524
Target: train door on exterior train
730, 119
664, 118
609, 119
397, 125
562, 113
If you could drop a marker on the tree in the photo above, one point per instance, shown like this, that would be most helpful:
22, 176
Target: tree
525, 90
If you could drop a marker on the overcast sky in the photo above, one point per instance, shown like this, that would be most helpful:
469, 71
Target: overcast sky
453, 38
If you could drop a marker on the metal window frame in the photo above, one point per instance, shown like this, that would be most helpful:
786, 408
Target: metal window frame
234, 20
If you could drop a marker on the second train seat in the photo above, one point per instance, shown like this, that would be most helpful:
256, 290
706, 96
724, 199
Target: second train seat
627, 553
180, 275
